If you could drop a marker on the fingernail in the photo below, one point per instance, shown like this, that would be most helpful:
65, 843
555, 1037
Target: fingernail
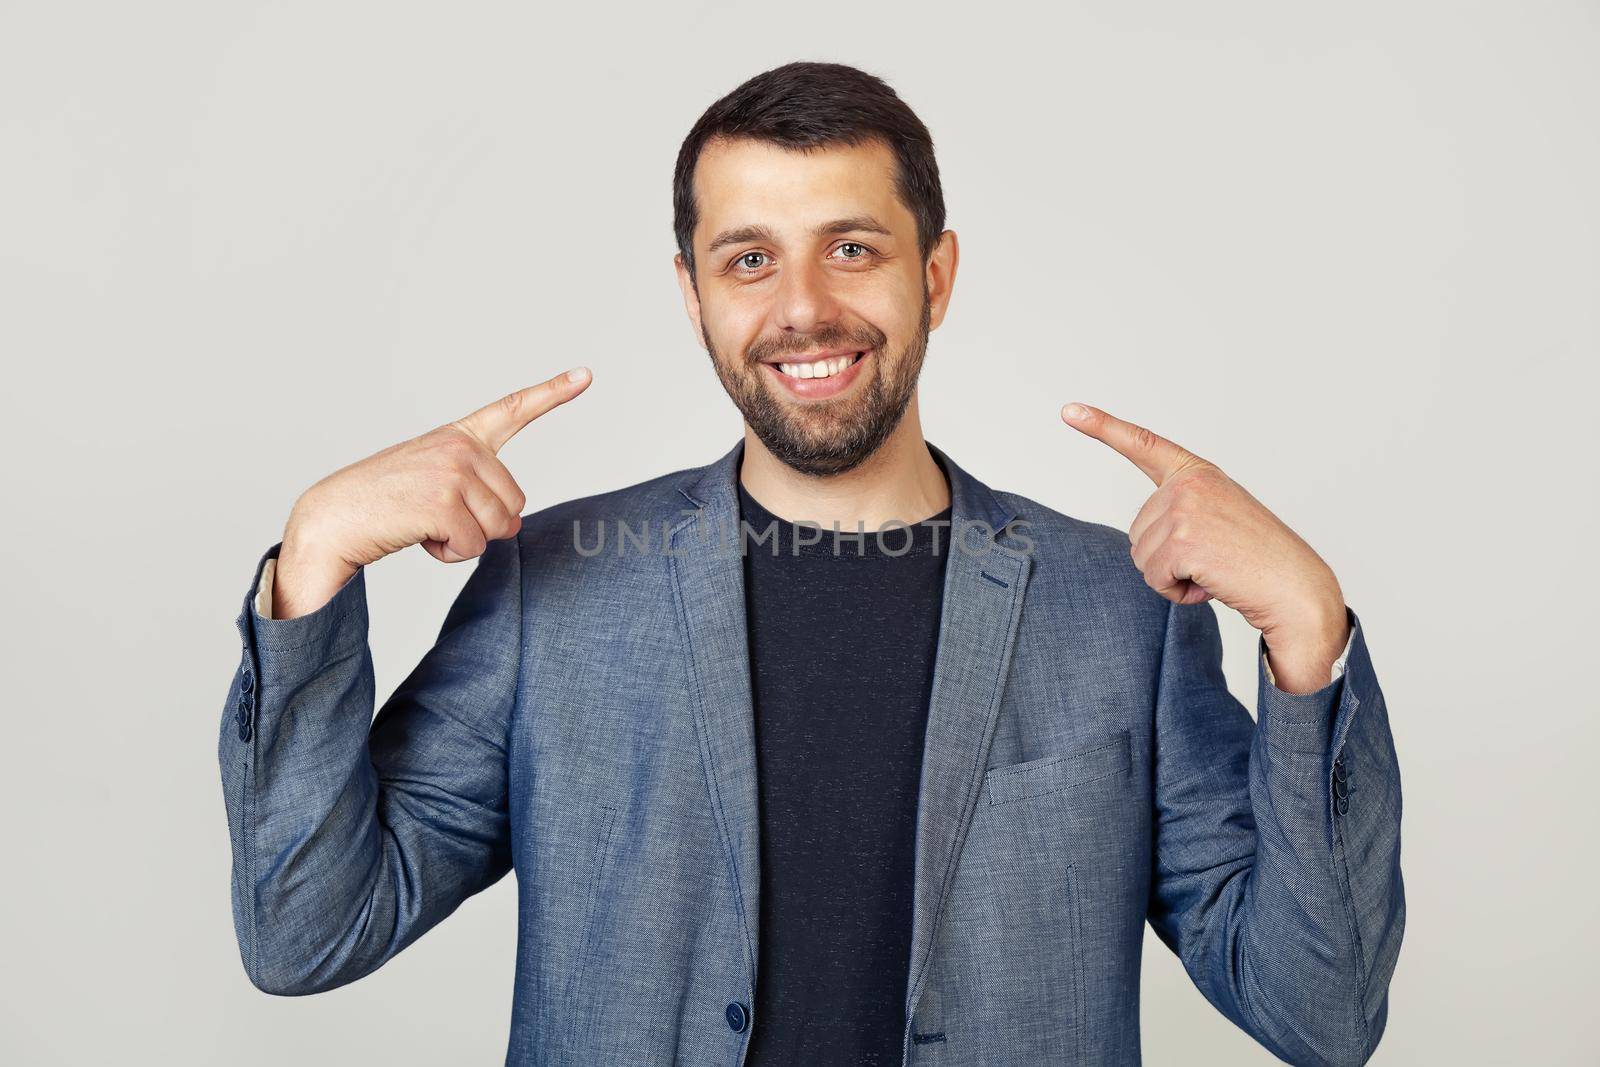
577, 374
1075, 412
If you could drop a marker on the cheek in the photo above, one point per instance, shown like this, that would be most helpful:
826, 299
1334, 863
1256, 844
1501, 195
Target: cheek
732, 329
893, 307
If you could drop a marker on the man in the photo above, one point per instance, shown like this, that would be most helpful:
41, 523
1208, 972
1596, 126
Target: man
797, 799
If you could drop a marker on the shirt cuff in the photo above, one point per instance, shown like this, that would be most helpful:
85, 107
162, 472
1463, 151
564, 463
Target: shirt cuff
264, 592
1333, 675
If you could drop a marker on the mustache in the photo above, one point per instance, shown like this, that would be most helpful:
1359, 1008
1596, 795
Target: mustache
763, 351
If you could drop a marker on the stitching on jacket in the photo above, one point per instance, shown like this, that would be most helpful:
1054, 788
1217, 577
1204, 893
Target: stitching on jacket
1074, 898
275, 650
699, 703
247, 820
1281, 721
597, 865
522, 652
247, 828
1006, 772
1057, 789
1347, 898
944, 880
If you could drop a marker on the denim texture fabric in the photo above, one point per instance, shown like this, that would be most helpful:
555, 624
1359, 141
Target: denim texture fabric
584, 719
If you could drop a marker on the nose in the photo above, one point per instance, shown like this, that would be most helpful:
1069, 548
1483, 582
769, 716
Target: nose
804, 300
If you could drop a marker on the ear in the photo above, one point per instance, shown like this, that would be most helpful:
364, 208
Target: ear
940, 276
691, 297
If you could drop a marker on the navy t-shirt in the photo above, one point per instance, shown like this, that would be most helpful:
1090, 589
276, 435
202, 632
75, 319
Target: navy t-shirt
842, 641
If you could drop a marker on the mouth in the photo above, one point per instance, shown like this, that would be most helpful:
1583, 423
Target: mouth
820, 378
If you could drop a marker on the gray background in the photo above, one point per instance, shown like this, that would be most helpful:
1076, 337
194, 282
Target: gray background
1350, 252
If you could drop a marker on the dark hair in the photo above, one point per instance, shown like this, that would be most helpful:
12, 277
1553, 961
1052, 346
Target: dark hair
808, 105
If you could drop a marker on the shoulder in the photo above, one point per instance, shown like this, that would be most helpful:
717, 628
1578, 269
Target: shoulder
642, 504
1059, 537
1084, 561
606, 540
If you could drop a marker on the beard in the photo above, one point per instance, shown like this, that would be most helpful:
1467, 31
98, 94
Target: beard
833, 436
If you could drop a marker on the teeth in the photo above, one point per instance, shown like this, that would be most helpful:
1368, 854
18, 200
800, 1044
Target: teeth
822, 368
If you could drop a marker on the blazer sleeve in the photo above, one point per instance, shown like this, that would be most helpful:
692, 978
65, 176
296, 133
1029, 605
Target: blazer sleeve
1277, 847
352, 835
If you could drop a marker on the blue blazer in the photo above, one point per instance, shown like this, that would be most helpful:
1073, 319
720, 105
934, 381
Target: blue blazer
584, 719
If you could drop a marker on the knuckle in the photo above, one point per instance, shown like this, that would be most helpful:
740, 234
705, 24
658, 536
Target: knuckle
1192, 485
510, 405
450, 449
1199, 474
461, 447
1143, 438
442, 492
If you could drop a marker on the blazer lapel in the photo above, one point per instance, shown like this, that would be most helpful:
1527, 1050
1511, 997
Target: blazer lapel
983, 591
708, 582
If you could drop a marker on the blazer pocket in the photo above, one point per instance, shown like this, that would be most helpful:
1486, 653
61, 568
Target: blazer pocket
1051, 774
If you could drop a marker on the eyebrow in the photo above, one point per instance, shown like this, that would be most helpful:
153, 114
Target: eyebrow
757, 232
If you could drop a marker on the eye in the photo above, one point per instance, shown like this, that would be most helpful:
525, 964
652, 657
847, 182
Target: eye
862, 251
744, 261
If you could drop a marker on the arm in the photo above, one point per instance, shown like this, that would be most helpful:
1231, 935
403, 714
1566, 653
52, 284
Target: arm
1284, 901
353, 836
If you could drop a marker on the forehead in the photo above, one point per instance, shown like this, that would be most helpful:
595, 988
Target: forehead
744, 182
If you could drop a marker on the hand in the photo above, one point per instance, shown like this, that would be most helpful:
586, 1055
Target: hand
1201, 535
445, 490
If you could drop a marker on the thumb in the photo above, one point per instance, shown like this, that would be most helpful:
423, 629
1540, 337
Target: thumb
495, 424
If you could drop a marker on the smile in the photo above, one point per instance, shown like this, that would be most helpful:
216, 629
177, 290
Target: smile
822, 368
821, 378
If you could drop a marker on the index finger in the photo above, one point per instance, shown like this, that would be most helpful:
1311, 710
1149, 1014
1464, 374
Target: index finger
495, 424
1158, 457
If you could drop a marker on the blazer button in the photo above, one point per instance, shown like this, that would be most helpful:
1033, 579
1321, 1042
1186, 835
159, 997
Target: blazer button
1344, 806
738, 1017
247, 680
1338, 770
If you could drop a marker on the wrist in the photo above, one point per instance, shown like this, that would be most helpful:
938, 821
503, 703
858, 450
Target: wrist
1304, 646
311, 538
1311, 609
1326, 626
309, 571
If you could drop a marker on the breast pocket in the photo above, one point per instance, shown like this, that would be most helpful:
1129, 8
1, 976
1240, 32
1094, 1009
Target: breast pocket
1094, 762
1045, 837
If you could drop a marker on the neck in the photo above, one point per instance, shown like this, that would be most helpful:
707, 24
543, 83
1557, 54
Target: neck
900, 482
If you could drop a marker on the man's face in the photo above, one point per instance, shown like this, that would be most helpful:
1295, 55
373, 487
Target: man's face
811, 295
